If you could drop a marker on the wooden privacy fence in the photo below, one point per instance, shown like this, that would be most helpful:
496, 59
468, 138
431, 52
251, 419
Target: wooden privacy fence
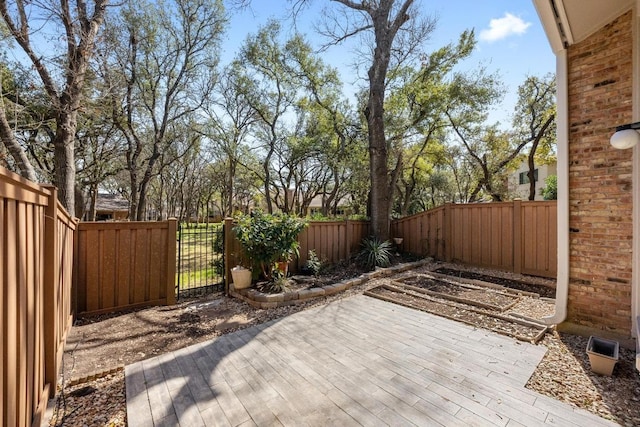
516, 236
36, 256
124, 265
332, 241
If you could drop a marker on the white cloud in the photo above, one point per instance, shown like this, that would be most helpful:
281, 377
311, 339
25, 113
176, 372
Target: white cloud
504, 27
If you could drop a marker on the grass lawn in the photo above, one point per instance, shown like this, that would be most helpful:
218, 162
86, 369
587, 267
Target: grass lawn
197, 256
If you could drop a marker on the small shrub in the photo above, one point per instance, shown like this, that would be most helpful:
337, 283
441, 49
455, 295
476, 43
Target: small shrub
314, 265
218, 242
550, 190
358, 217
375, 253
218, 266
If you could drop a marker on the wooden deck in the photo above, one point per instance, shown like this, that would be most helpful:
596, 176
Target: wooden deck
358, 361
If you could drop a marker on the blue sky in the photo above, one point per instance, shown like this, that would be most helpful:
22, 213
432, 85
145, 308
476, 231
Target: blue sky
510, 37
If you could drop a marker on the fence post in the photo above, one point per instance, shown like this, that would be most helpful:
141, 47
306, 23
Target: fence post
347, 238
226, 232
517, 236
446, 232
50, 283
172, 229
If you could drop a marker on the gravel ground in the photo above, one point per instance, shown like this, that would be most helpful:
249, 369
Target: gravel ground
98, 348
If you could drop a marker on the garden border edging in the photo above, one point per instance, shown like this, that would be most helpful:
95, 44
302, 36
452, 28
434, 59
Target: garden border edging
263, 300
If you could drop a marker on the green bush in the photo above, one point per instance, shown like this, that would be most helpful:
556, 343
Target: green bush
375, 253
314, 265
550, 190
218, 242
267, 239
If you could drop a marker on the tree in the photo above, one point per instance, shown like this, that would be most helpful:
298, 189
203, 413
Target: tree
158, 56
231, 120
490, 149
80, 23
99, 150
271, 89
7, 135
415, 116
534, 120
300, 115
395, 38
330, 129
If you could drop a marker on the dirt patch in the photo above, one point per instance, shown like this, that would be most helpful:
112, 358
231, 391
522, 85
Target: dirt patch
100, 344
546, 290
466, 313
461, 292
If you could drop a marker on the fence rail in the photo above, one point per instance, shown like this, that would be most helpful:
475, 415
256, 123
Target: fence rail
124, 265
36, 255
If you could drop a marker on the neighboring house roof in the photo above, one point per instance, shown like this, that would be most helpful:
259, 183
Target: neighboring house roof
571, 21
316, 202
111, 203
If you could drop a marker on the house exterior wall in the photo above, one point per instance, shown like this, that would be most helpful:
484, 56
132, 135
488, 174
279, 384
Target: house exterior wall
522, 190
600, 179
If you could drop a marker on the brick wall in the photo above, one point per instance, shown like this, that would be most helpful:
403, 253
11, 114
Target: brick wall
600, 91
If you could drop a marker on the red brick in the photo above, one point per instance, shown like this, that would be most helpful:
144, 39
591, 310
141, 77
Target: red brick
600, 198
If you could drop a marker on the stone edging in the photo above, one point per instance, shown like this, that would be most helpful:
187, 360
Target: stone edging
94, 376
262, 300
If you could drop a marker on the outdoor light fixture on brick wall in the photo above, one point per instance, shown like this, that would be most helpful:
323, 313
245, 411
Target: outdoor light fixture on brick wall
626, 136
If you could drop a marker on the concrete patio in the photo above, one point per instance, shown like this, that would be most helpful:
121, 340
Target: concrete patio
358, 361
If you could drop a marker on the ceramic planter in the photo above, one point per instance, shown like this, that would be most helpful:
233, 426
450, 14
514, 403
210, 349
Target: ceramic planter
241, 277
603, 355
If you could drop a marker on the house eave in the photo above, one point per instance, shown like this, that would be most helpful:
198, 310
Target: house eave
566, 22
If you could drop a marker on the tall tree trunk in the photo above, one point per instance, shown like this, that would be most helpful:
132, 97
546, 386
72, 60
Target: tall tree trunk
93, 198
232, 174
378, 170
64, 158
267, 181
531, 173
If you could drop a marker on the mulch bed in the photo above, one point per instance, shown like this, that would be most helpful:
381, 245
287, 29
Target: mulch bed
464, 293
459, 311
543, 291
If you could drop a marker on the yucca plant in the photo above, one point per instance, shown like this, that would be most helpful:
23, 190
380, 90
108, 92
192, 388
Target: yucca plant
375, 253
277, 285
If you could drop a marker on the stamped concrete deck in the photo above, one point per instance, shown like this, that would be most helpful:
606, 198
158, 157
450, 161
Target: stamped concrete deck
359, 361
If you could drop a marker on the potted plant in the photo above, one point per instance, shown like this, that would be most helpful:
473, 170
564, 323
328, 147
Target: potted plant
268, 239
286, 229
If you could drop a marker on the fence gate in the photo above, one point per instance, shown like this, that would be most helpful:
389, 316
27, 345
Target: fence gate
200, 263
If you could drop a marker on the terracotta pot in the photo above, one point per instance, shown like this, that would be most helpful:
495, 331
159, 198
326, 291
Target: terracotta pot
283, 266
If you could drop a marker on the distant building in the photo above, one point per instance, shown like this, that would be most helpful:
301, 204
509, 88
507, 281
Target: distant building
315, 207
519, 180
111, 207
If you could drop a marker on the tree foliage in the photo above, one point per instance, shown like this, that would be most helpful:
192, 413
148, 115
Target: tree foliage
62, 65
168, 53
148, 113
